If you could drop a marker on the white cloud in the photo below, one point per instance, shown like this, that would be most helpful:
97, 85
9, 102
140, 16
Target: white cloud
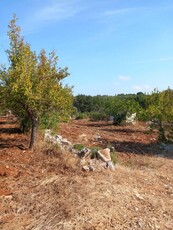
119, 12
141, 88
123, 78
58, 10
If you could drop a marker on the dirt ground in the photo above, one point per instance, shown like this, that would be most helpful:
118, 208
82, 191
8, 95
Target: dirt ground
47, 189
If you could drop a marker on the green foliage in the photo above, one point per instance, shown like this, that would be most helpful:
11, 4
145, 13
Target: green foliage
98, 116
161, 109
119, 117
49, 120
83, 103
79, 147
101, 107
81, 116
162, 137
114, 157
94, 152
32, 85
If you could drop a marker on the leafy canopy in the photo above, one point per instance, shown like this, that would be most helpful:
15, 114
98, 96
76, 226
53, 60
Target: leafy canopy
32, 84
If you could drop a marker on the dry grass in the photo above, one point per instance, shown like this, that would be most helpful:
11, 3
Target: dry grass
62, 197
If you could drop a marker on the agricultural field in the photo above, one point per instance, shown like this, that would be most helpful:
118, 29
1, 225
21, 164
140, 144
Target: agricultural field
47, 188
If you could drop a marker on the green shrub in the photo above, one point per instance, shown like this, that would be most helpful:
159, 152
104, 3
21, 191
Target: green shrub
94, 151
119, 118
49, 121
114, 157
79, 147
81, 116
98, 116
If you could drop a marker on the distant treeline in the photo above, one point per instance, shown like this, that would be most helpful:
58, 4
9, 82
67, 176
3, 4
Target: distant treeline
157, 106
104, 106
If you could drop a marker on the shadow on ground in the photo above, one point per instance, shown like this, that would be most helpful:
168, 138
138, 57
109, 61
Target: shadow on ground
10, 137
138, 148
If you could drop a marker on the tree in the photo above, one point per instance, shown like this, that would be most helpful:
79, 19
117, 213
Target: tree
32, 84
161, 109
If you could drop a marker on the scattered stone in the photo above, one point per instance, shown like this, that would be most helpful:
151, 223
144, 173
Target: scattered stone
58, 138
110, 165
86, 168
48, 136
111, 118
63, 143
139, 196
84, 153
8, 197
104, 155
97, 137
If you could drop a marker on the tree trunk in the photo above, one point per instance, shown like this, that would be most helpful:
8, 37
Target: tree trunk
33, 131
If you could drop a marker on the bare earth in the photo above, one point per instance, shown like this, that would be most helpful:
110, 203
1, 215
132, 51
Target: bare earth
44, 189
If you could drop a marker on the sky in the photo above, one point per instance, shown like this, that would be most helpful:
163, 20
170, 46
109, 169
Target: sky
109, 46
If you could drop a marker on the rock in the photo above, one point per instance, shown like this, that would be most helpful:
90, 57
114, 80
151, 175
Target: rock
104, 155
92, 168
131, 118
139, 196
84, 153
8, 197
58, 138
47, 135
66, 142
86, 168
110, 165
111, 118
97, 137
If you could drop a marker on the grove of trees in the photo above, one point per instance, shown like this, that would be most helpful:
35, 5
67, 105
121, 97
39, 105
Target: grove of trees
157, 107
31, 87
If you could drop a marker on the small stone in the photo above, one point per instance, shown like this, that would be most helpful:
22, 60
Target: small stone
8, 197
139, 196
97, 137
110, 165
84, 153
86, 168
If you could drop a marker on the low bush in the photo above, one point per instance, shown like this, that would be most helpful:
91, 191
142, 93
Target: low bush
114, 157
119, 118
94, 151
81, 116
98, 116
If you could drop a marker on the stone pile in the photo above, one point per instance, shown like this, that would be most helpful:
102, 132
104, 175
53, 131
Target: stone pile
62, 142
101, 160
